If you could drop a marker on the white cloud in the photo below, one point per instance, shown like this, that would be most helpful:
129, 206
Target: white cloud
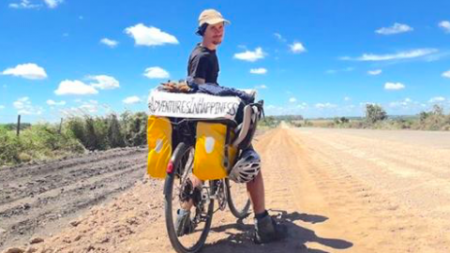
398, 56
279, 37
325, 106
394, 86
26, 4
293, 109
261, 87
437, 99
156, 73
150, 36
407, 102
374, 72
90, 107
21, 102
395, 29
132, 100
69, 87
52, 3
297, 48
70, 112
446, 74
23, 4
86, 108
445, 25
109, 43
258, 71
53, 103
347, 99
104, 82
2, 107
27, 70
292, 100
302, 105
251, 56
334, 71
24, 106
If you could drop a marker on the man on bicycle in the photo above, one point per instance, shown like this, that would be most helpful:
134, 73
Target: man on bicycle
203, 72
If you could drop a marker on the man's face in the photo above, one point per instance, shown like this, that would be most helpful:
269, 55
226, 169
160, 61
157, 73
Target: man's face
214, 33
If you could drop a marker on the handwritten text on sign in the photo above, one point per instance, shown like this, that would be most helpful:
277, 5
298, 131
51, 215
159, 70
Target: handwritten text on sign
192, 105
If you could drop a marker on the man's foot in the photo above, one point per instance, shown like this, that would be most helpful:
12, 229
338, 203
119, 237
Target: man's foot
267, 230
183, 224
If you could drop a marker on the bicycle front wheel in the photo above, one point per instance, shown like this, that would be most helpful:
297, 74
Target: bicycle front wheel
200, 214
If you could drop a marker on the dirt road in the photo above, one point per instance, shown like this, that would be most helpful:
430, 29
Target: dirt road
337, 191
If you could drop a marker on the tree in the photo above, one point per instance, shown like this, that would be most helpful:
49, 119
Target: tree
344, 120
115, 136
375, 113
135, 126
91, 142
438, 110
341, 120
75, 126
423, 116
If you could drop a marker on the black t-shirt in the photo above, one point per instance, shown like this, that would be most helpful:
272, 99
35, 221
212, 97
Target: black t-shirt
203, 63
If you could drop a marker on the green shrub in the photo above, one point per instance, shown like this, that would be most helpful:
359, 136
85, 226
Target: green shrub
135, 128
375, 113
115, 133
268, 121
38, 142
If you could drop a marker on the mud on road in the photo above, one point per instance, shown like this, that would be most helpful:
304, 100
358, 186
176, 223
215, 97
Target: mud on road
42, 198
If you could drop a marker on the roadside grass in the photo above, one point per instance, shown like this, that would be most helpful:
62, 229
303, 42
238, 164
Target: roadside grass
434, 120
43, 141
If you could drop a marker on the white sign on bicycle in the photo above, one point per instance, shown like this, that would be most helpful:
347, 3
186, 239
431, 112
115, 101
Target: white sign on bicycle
196, 106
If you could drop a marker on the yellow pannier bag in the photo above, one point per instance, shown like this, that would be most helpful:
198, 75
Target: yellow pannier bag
210, 157
159, 139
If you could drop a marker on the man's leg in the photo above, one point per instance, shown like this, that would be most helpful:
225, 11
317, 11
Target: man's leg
266, 229
183, 223
255, 189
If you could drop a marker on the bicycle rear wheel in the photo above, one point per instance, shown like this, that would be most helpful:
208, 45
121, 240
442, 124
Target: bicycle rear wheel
201, 214
238, 199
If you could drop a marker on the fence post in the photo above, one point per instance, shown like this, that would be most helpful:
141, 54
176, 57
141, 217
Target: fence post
18, 125
60, 126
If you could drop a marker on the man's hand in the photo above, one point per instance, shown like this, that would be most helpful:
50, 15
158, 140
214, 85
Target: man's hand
169, 86
180, 87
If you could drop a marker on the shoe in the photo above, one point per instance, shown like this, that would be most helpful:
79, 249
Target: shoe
267, 230
183, 225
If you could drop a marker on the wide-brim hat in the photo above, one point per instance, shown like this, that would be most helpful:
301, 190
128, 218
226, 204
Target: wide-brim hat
211, 17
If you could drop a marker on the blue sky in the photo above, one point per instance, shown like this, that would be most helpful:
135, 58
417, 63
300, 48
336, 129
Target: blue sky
316, 58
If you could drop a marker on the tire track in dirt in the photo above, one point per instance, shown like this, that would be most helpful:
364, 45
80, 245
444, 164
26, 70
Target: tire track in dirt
39, 199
